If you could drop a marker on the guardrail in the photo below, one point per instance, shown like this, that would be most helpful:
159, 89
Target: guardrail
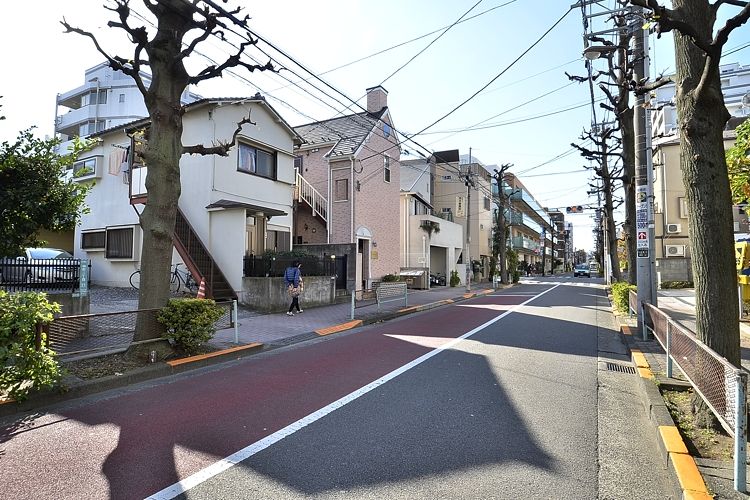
114, 331
721, 385
632, 303
388, 292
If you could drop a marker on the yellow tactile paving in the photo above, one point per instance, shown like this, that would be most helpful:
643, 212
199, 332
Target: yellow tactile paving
182, 361
339, 328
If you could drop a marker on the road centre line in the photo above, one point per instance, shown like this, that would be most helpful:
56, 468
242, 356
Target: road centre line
224, 464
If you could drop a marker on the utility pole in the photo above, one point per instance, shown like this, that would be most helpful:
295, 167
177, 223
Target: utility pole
644, 182
469, 184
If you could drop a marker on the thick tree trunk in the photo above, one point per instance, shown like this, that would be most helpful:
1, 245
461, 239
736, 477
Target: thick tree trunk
702, 117
162, 157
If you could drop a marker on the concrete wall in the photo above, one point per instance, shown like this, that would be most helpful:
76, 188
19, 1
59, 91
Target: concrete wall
70, 304
673, 269
325, 251
270, 294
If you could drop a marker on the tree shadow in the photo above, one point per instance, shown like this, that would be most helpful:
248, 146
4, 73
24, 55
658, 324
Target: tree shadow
466, 418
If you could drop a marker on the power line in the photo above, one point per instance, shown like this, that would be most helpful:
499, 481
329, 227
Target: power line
433, 41
495, 77
401, 44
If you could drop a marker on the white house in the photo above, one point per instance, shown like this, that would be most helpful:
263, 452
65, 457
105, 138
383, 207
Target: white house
427, 241
230, 207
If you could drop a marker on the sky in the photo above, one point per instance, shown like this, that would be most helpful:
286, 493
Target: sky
435, 74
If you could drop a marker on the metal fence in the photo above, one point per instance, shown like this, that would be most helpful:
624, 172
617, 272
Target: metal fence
20, 274
721, 385
632, 303
274, 267
91, 333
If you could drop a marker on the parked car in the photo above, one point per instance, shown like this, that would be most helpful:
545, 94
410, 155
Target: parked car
582, 270
39, 265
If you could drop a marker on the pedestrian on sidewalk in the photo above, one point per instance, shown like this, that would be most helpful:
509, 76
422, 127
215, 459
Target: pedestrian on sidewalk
293, 281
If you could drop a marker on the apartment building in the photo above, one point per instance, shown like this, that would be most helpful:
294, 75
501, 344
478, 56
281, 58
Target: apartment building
470, 206
106, 99
531, 230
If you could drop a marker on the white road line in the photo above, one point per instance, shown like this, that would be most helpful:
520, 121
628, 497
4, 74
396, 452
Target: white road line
245, 453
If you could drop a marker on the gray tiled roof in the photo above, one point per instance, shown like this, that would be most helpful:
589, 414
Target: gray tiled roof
346, 132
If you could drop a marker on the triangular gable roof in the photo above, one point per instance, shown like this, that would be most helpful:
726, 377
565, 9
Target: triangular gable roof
214, 100
347, 133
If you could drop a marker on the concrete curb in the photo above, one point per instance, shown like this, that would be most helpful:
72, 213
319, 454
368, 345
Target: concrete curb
687, 478
159, 370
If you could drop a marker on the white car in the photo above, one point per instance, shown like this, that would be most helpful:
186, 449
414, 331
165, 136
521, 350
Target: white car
40, 265
582, 270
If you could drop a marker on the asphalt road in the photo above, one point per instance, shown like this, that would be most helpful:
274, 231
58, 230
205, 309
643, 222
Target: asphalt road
496, 397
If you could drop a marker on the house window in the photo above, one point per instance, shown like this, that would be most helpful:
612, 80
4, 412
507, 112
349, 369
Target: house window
256, 161
298, 162
122, 97
487, 203
341, 190
84, 168
94, 240
119, 243
278, 241
386, 169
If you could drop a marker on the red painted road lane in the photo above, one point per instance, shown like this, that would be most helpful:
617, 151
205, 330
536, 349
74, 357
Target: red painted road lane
144, 441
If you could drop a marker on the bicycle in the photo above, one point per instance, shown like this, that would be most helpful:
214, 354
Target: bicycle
177, 277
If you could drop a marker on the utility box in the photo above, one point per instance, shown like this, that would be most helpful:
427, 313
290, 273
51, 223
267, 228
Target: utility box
416, 278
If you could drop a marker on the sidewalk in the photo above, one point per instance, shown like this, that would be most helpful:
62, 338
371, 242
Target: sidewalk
280, 329
680, 306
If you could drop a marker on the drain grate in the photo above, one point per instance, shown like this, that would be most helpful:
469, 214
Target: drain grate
614, 367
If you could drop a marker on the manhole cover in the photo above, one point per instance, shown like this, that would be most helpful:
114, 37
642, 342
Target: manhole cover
614, 367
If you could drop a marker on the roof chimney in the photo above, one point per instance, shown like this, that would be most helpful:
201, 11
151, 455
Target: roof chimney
377, 99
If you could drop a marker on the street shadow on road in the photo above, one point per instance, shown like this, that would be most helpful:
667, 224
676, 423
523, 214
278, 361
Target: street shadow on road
446, 416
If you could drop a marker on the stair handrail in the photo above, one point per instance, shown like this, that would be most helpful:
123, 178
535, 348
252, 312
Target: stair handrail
312, 197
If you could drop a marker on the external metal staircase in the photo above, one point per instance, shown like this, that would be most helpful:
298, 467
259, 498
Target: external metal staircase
313, 198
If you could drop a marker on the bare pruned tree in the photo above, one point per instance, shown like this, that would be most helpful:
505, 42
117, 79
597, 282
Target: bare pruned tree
181, 26
606, 156
702, 117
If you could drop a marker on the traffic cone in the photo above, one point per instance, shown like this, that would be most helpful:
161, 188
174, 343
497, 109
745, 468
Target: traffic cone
201, 290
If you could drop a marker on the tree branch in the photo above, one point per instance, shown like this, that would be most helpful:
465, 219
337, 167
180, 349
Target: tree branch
231, 62
222, 148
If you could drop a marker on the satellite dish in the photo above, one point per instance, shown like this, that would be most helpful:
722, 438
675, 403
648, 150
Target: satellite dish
746, 100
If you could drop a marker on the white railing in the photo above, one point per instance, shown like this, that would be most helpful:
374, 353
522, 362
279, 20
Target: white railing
312, 197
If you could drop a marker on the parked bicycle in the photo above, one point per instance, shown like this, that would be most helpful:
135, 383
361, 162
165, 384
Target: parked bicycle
178, 278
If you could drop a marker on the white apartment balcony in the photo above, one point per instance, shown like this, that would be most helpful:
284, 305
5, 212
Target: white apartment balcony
68, 124
72, 98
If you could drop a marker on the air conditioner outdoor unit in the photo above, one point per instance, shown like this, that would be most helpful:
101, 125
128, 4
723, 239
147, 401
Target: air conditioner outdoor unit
674, 228
675, 250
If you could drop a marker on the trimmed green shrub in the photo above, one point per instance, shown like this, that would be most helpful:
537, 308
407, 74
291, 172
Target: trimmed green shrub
676, 284
390, 278
24, 367
620, 292
455, 280
190, 322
